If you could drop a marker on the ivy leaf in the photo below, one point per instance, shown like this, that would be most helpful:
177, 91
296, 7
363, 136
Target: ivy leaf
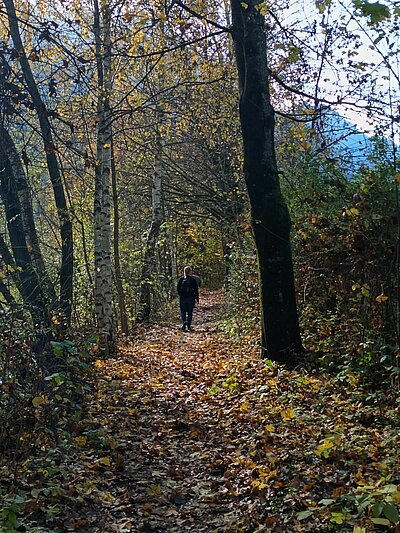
303, 515
380, 521
391, 513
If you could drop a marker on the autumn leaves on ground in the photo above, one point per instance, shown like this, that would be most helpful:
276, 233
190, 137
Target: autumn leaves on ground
186, 432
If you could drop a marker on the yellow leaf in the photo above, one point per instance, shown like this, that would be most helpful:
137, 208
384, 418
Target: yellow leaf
107, 145
244, 5
324, 448
288, 414
80, 441
107, 497
353, 212
382, 298
262, 9
105, 461
39, 400
270, 428
154, 490
245, 406
397, 177
305, 147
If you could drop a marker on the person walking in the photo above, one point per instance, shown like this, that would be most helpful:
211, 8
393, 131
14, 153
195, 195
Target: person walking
188, 291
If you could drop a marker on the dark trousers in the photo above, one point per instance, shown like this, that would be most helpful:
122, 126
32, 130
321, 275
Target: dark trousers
186, 305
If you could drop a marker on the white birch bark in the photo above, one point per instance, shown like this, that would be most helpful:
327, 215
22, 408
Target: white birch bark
149, 263
102, 201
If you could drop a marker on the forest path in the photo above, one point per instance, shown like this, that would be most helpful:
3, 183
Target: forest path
183, 433
165, 468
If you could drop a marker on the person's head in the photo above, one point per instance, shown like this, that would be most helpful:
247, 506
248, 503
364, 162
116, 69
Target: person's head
187, 271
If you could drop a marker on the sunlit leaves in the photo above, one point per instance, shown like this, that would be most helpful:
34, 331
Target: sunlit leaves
324, 448
288, 414
382, 298
376, 11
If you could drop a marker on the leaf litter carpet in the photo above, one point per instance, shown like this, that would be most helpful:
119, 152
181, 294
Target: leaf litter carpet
186, 432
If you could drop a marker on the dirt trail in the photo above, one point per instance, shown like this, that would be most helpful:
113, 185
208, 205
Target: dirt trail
153, 404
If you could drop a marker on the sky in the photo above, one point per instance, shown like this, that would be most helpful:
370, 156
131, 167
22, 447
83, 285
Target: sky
365, 48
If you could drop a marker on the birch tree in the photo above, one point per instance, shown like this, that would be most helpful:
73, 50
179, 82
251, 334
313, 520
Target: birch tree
149, 262
102, 200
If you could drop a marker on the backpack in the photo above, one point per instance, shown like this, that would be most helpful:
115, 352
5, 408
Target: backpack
187, 287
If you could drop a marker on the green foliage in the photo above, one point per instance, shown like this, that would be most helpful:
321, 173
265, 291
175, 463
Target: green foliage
241, 310
344, 233
375, 10
32, 402
199, 245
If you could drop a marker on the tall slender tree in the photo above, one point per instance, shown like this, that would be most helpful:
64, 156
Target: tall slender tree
102, 200
28, 222
66, 269
149, 261
28, 282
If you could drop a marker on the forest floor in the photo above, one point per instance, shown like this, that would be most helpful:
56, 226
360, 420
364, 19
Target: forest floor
182, 432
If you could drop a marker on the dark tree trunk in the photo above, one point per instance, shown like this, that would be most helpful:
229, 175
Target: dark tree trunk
28, 222
66, 269
269, 213
8, 260
29, 285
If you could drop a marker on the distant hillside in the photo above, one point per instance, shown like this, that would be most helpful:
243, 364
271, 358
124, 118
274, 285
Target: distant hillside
344, 140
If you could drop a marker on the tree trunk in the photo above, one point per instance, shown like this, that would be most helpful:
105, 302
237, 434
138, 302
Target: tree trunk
66, 269
269, 213
149, 262
8, 260
117, 262
28, 221
173, 269
28, 285
102, 205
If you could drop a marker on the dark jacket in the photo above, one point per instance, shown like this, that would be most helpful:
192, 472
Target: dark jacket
194, 288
